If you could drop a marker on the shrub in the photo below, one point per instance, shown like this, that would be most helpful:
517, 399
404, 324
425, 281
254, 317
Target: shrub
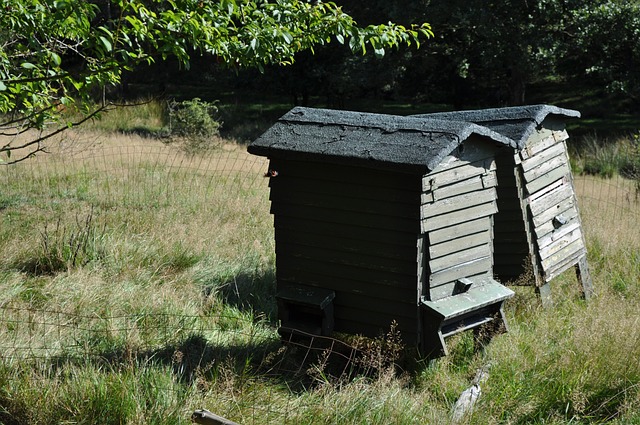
195, 123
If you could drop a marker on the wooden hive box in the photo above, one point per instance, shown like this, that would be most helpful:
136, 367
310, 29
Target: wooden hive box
538, 220
382, 219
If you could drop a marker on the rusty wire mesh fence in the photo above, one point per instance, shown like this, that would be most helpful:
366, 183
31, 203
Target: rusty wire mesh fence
133, 255
71, 208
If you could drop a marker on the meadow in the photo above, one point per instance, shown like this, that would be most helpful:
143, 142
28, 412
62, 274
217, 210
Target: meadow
137, 284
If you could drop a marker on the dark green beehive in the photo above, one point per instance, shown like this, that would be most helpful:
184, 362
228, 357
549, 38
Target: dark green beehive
381, 219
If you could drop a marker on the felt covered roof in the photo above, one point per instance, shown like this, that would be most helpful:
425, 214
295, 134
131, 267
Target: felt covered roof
366, 138
516, 123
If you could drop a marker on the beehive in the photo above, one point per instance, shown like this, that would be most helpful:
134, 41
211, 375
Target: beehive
382, 219
538, 220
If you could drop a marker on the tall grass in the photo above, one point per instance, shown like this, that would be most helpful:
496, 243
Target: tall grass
136, 285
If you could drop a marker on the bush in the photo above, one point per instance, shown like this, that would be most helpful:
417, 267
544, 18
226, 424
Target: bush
194, 122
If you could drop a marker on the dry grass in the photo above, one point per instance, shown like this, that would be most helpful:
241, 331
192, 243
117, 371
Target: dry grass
167, 307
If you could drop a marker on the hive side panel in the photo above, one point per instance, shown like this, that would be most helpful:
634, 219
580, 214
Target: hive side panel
556, 231
352, 230
458, 201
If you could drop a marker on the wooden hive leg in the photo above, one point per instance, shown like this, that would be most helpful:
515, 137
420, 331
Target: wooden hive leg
433, 345
582, 272
543, 288
544, 291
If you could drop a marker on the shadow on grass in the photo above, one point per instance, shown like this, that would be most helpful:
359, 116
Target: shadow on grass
251, 292
298, 363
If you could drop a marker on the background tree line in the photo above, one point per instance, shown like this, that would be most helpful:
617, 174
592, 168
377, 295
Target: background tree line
485, 53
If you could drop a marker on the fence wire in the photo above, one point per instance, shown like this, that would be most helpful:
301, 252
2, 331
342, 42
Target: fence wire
225, 194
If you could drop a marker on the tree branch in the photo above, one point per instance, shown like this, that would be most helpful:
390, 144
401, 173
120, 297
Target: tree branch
39, 140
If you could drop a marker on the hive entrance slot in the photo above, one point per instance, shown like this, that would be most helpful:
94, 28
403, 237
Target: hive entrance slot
305, 308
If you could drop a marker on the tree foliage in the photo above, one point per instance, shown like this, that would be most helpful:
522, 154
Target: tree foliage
58, 53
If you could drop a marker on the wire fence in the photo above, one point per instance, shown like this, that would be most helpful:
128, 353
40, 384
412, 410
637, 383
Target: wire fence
225, 198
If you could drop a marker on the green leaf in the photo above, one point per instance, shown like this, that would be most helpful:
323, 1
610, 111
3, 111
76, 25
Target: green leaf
56, 58
379, 52
27, 65
2, 86
106, 43
340, 38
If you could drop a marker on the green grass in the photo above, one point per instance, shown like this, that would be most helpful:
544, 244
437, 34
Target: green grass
137, 283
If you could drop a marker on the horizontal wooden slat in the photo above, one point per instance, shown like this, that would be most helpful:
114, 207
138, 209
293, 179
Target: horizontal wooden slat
446, 177
474, 152
460, 216
289, 265
547, 228
539, 159
345, 173
542, 140
567, 251
391, 237
461, 202
454, 245
399, 224
347, 203
402, 194
546, 167
556, 269
341, 243
462, 256
533, 196
473, 184
559, 244
354, 259
550, 199
472, 268
456, 230
550, 177
546, 216
558, 234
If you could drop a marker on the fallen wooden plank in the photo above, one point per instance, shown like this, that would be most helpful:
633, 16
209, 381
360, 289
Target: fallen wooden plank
205, 417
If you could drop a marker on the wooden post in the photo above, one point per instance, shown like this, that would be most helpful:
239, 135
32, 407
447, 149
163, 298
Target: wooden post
204, 417
545, 294
582, 272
